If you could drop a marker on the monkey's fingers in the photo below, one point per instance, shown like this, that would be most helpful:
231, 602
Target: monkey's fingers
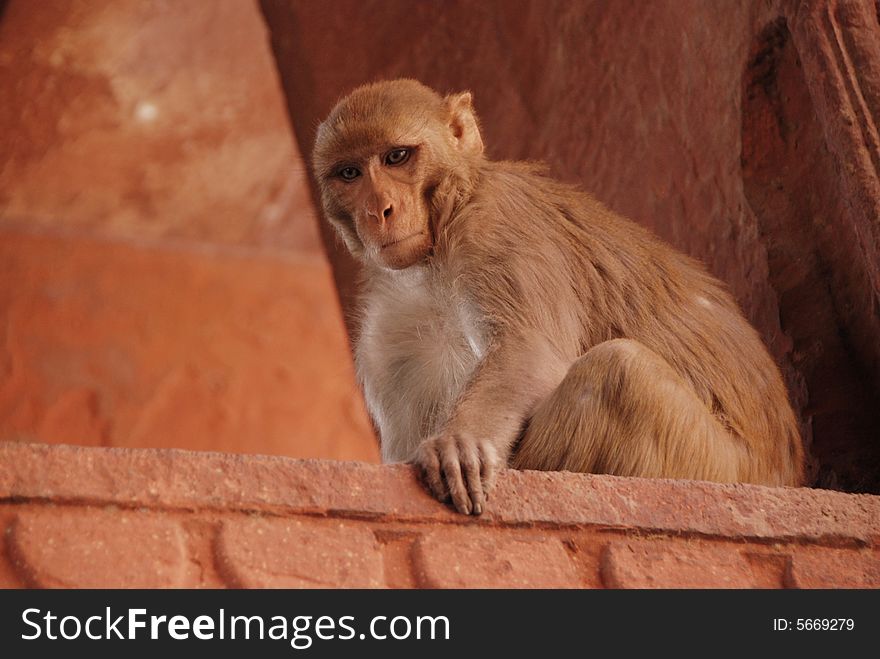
488, 467
452, 472
470, 466
432, 474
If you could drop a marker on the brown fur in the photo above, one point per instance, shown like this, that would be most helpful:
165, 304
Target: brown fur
521, 322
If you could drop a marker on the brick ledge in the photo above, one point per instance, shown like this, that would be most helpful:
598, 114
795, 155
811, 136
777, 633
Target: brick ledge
187, 480
113, 517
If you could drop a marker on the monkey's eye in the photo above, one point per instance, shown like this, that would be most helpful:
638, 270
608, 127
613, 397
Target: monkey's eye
349, 173
397, 157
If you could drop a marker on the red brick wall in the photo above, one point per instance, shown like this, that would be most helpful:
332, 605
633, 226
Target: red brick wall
91, 517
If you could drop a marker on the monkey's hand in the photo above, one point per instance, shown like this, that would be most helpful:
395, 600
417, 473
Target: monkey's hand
456, 466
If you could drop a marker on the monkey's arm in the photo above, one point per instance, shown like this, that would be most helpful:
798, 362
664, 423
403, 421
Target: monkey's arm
462, 460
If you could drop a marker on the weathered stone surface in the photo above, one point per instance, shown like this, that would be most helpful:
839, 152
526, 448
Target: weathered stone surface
298, 553
678, 115
678, 564
148, 120
105, 343
829, 568
97, 548
185, 480
819, 266
474, 557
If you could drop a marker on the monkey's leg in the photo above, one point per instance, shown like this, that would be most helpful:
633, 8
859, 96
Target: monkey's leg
621, 409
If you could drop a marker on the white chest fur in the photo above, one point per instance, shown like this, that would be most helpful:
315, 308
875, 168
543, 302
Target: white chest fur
420, 342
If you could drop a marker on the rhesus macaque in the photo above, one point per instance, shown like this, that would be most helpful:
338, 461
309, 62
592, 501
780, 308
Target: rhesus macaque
511, 320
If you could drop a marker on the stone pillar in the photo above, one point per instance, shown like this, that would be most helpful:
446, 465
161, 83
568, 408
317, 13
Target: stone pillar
163, 280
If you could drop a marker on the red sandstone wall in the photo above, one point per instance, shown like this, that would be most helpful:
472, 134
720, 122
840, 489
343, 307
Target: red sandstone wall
147, 120
744, 133
163, 282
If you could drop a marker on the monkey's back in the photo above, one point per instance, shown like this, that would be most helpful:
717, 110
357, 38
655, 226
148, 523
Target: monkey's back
556, 261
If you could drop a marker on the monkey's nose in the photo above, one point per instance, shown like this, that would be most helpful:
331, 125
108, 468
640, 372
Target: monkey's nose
388, 211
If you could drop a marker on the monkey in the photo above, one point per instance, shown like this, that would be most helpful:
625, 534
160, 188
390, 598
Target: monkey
509, 320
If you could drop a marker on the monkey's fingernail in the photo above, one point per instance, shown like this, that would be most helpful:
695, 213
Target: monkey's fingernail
478, 509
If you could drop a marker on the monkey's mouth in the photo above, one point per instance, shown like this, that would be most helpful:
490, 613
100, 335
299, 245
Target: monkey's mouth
399, 241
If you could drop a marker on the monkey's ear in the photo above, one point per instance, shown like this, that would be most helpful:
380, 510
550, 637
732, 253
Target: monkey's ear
463, 123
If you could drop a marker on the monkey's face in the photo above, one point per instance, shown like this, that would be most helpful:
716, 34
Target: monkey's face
383, 159
381, 196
